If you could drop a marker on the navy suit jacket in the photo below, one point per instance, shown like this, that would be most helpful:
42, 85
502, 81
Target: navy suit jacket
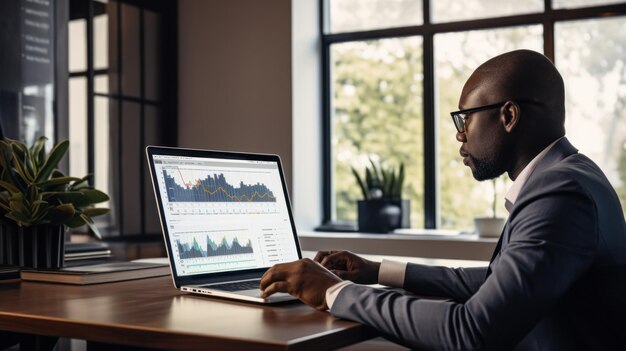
556, 280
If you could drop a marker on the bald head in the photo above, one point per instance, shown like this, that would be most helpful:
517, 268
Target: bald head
522, 75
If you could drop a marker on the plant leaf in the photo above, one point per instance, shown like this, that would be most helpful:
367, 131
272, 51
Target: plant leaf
95, 196
57, 181
400, 182
81, 219
8, 175
95, 211
9, 187
19, 204
92, 226
360, 182
76, 221
79, 199
51, 163
20, 170
57, 174
38, 151
61, 213
376, 177
19, 218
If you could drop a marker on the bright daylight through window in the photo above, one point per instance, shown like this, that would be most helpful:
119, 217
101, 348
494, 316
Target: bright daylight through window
379, 54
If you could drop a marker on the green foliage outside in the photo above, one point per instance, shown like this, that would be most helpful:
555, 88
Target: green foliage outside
378, 115
378, 109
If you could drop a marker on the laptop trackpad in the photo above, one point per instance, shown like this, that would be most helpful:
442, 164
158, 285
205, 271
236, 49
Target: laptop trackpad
274, 298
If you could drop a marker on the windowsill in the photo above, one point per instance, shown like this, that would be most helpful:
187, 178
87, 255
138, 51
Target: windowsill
426, 244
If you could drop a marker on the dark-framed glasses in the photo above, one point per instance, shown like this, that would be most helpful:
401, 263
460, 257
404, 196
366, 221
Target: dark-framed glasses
460, 117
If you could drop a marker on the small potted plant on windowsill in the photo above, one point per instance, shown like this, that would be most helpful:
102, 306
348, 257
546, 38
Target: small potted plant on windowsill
38, 203
382, 208
490, 227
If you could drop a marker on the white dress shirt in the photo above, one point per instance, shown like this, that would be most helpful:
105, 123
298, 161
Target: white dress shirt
392, 273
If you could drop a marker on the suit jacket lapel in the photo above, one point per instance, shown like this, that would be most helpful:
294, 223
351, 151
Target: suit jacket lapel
562, 149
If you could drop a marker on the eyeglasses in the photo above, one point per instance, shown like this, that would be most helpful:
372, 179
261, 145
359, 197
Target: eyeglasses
460, 117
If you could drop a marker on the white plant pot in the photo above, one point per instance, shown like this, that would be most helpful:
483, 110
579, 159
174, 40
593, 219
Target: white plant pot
489, 227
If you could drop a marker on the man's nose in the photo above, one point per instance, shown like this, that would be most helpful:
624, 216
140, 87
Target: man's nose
461, 137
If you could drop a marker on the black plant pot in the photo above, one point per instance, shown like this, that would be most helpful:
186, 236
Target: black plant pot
42, 246
9, 252
383, 216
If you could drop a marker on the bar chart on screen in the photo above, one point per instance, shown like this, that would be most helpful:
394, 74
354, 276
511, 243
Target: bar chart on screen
213, 187
214, 251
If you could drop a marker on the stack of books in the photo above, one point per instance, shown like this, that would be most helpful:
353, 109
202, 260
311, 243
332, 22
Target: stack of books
86, 251
98, 273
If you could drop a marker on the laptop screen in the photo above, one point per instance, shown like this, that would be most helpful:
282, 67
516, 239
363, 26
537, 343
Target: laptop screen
223, 215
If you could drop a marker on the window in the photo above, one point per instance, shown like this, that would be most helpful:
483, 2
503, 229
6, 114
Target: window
119, 95
394, 69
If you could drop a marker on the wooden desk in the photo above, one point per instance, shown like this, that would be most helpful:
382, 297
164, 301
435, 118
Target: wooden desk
152, 313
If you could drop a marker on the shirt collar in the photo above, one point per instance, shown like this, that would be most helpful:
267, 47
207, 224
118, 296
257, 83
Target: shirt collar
514, 190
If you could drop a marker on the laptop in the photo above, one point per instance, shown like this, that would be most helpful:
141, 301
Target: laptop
225, 218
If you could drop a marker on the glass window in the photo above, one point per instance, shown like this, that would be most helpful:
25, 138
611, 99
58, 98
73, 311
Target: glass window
78, 126
454, 10
565, 4
101, 83
77, 45
101, 41
102, 138
353, 15
376, 82
460, 196
377, 114
591, 56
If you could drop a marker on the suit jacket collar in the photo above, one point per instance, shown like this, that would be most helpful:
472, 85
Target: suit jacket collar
561, 150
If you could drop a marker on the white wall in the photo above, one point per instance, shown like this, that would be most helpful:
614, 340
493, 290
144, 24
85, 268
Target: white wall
249, 80
307, 112
235, 76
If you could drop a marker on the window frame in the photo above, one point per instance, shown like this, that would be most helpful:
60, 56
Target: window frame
427, 31
168, 102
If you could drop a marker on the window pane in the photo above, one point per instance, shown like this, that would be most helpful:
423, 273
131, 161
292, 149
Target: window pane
454, 10
101, 83
591, 56
101, 41
102, 147
570, 4
461, 197
78, 126
355, 15
77, 45
377, 113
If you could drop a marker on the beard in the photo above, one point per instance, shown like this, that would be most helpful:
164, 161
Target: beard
489, 167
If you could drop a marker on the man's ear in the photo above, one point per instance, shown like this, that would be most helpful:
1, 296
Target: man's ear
510, 115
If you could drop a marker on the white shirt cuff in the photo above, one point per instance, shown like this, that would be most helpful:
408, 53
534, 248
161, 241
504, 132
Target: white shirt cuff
333, 292
392, 273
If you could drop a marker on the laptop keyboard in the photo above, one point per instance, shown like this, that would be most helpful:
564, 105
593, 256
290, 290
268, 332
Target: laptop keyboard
236, 286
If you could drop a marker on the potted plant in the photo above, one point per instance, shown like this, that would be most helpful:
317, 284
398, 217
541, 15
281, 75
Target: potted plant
382, 208
38, 203
490, 227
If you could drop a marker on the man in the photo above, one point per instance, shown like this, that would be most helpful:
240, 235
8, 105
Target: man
556, 280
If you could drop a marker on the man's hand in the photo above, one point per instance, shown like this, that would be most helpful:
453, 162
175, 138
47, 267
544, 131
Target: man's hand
303, 279
349, 266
